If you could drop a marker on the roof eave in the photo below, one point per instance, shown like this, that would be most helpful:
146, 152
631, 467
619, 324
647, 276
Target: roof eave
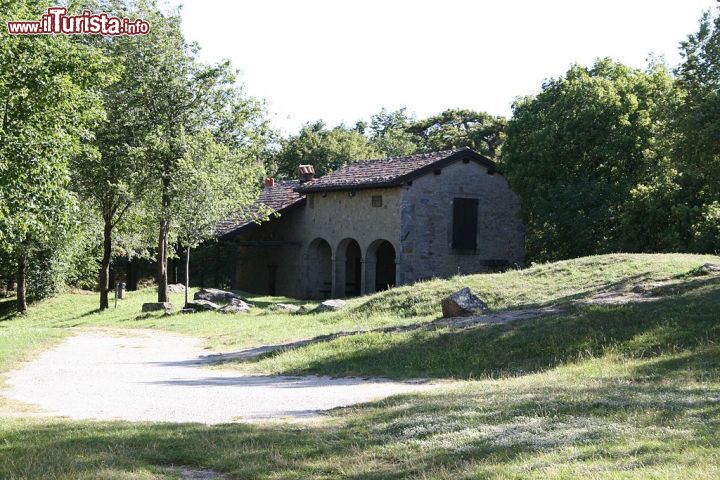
461, 154
348, 187
254, 224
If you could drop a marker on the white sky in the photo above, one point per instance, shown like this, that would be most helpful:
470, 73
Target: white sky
343, 60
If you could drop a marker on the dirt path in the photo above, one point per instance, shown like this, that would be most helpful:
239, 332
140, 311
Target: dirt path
156, 376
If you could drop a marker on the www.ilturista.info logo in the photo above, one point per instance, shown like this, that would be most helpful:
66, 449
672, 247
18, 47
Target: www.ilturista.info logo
57, 21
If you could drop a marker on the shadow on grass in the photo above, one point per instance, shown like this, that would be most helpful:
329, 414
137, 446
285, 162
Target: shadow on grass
448, 434
8, 309
521, 347
400, 302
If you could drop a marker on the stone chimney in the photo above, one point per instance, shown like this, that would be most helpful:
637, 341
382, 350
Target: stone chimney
269, 182
305, 172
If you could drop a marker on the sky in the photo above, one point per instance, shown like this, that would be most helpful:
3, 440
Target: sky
341, 60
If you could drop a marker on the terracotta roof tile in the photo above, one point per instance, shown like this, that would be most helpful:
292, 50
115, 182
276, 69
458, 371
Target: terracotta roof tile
383, 172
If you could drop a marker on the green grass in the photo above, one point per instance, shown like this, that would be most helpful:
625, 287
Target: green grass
649, 329
601, 418
622, 391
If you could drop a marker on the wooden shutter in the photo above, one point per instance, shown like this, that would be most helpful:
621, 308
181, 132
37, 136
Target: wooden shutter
465, 217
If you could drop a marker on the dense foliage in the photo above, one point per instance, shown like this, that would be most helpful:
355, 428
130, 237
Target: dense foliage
49, 103
119, 146
389, 134
610, 158
579, 150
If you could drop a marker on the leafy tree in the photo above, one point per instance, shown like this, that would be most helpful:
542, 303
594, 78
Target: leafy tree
388, 132
578, 152
182, 98
213, 183
325, 149
457, 128
48, 105
697, 127
114, 178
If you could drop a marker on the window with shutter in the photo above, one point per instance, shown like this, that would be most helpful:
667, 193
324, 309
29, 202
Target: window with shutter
465, 217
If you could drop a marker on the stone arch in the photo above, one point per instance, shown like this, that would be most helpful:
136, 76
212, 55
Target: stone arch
348, 268
319, 269
380, 266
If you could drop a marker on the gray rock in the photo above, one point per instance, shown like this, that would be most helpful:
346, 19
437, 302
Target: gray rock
157, 306
236, 306
215, 295
176, 288
330, 305
463, 303
710, 268
287, 308
202, 305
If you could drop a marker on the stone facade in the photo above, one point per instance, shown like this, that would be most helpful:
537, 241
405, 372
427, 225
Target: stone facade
427, 221
352, 241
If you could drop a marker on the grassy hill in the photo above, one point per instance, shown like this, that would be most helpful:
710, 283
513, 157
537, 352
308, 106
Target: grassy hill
679, 312
626, 390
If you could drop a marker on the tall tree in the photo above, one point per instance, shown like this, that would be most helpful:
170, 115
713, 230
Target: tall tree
213, 183
325, 149
116, 178
697, 127
48, 105
389, 133
183, 97
457, 128
578, 150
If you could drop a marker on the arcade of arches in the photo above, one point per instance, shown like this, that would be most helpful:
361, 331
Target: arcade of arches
347, 271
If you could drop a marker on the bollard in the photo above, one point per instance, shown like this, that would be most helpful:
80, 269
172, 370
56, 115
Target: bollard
119, 292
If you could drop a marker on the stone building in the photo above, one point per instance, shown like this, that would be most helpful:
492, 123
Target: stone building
379, 223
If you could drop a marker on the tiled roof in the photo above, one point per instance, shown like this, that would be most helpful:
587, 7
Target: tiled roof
386, 172
276, 199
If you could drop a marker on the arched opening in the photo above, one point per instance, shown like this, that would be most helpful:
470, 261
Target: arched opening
348, 269
380, 266
319, 269
353, 269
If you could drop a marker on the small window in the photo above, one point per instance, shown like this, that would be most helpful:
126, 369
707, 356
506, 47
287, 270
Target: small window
465, 219
437, 171
377, 200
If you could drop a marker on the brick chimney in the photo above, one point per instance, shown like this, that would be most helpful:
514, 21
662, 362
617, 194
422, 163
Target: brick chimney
305, 172
270, 182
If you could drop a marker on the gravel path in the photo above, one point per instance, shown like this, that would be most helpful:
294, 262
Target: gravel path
154, 376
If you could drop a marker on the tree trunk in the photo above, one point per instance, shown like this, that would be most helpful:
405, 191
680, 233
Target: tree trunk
162, 261
22, 264
187, 274
105, 264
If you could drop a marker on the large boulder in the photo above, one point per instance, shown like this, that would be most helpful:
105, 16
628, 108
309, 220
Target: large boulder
463, 303
710, 268
157, 306
287, 308
203, 305
176, 288
330, 305
236, 306
215, 295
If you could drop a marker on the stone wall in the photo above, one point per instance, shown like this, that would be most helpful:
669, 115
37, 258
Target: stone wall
341, 220
324, 248
427, 216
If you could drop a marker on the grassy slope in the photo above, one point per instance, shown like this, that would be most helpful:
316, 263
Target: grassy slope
617, 391
685, 318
